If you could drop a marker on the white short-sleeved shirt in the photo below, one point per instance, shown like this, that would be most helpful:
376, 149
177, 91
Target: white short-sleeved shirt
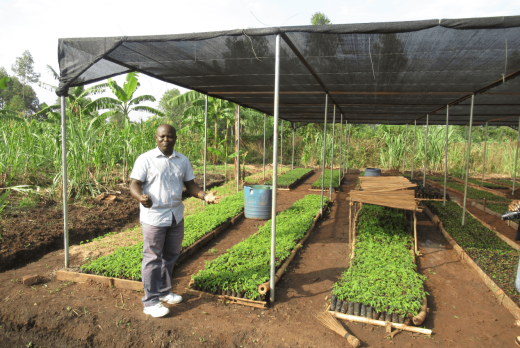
163, 180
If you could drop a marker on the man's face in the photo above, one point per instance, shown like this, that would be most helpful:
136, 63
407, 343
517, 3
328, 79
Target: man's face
166, 138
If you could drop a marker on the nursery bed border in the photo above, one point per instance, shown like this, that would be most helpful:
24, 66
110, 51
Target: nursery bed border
501, 296
278, 275
64, 275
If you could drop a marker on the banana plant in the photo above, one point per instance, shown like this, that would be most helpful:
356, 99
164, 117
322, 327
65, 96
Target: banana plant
125, 102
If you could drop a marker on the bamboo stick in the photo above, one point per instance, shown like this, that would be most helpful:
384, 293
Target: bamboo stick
381, 323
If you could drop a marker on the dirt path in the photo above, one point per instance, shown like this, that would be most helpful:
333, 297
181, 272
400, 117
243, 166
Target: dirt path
83, 315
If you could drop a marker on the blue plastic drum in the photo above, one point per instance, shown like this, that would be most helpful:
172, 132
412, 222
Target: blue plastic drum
372, 172
258, 202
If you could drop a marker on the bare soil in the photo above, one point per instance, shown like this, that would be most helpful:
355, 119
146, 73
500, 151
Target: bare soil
463, 312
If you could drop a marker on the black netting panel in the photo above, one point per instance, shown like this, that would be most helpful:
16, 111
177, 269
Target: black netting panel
393, 73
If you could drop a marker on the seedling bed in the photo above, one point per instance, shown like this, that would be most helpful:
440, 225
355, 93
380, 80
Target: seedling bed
316, 186
501, 236
125, 262
381, 282
129, 284
473, 194
479, 187
291, 179
243, 273
480, 248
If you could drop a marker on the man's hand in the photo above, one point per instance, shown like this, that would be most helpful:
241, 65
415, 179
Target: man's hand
514, 205
146, 201
210, 197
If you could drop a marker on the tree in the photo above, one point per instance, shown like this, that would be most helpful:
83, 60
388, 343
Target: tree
320, 19
23, 68
13, 88
173, 113
120, 108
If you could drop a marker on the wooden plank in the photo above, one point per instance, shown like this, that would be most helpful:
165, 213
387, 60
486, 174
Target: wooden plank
112, 282
499, 293
364, 320
234, 300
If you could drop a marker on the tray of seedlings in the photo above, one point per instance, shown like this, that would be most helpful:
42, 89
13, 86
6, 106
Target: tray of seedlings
242, 274
494, 260
292, 178
487, 184
125, 262
477, 184
316, 186
382, 284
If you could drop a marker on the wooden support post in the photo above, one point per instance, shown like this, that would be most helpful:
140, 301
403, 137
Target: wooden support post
350, 223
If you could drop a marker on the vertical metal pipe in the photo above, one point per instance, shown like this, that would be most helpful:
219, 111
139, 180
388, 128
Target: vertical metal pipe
340, 148
516, 156
446, 155
293, 134
465, 145
425, 150
332, 153
238, 149
484, 160
413, 147
275, 157
404, 150
467, 160
64, 177
205, 143
281, 148
323, 156
263, 165
348, 146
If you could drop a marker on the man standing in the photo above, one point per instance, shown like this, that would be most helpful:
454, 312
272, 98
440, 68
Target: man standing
157, 182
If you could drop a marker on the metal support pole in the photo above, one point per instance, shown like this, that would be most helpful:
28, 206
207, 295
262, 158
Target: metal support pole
413, 147
465, 145
425, 150
484, 160
332, 153
263, 165
516, 156
293, 134
323, 156
348, 146
281, 148
404, 150
467, 161
275, 157
64, 177
340, 148
238, 148
446, 155
205, 143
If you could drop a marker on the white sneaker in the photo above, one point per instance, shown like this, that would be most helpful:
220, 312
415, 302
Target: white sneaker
171, 298
157, 310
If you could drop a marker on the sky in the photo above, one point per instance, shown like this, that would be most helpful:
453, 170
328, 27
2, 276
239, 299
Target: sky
36, 25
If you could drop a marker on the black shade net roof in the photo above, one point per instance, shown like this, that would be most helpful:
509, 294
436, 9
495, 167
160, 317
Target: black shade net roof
381, 73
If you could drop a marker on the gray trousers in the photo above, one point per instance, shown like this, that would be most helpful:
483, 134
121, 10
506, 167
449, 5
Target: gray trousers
161, 248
